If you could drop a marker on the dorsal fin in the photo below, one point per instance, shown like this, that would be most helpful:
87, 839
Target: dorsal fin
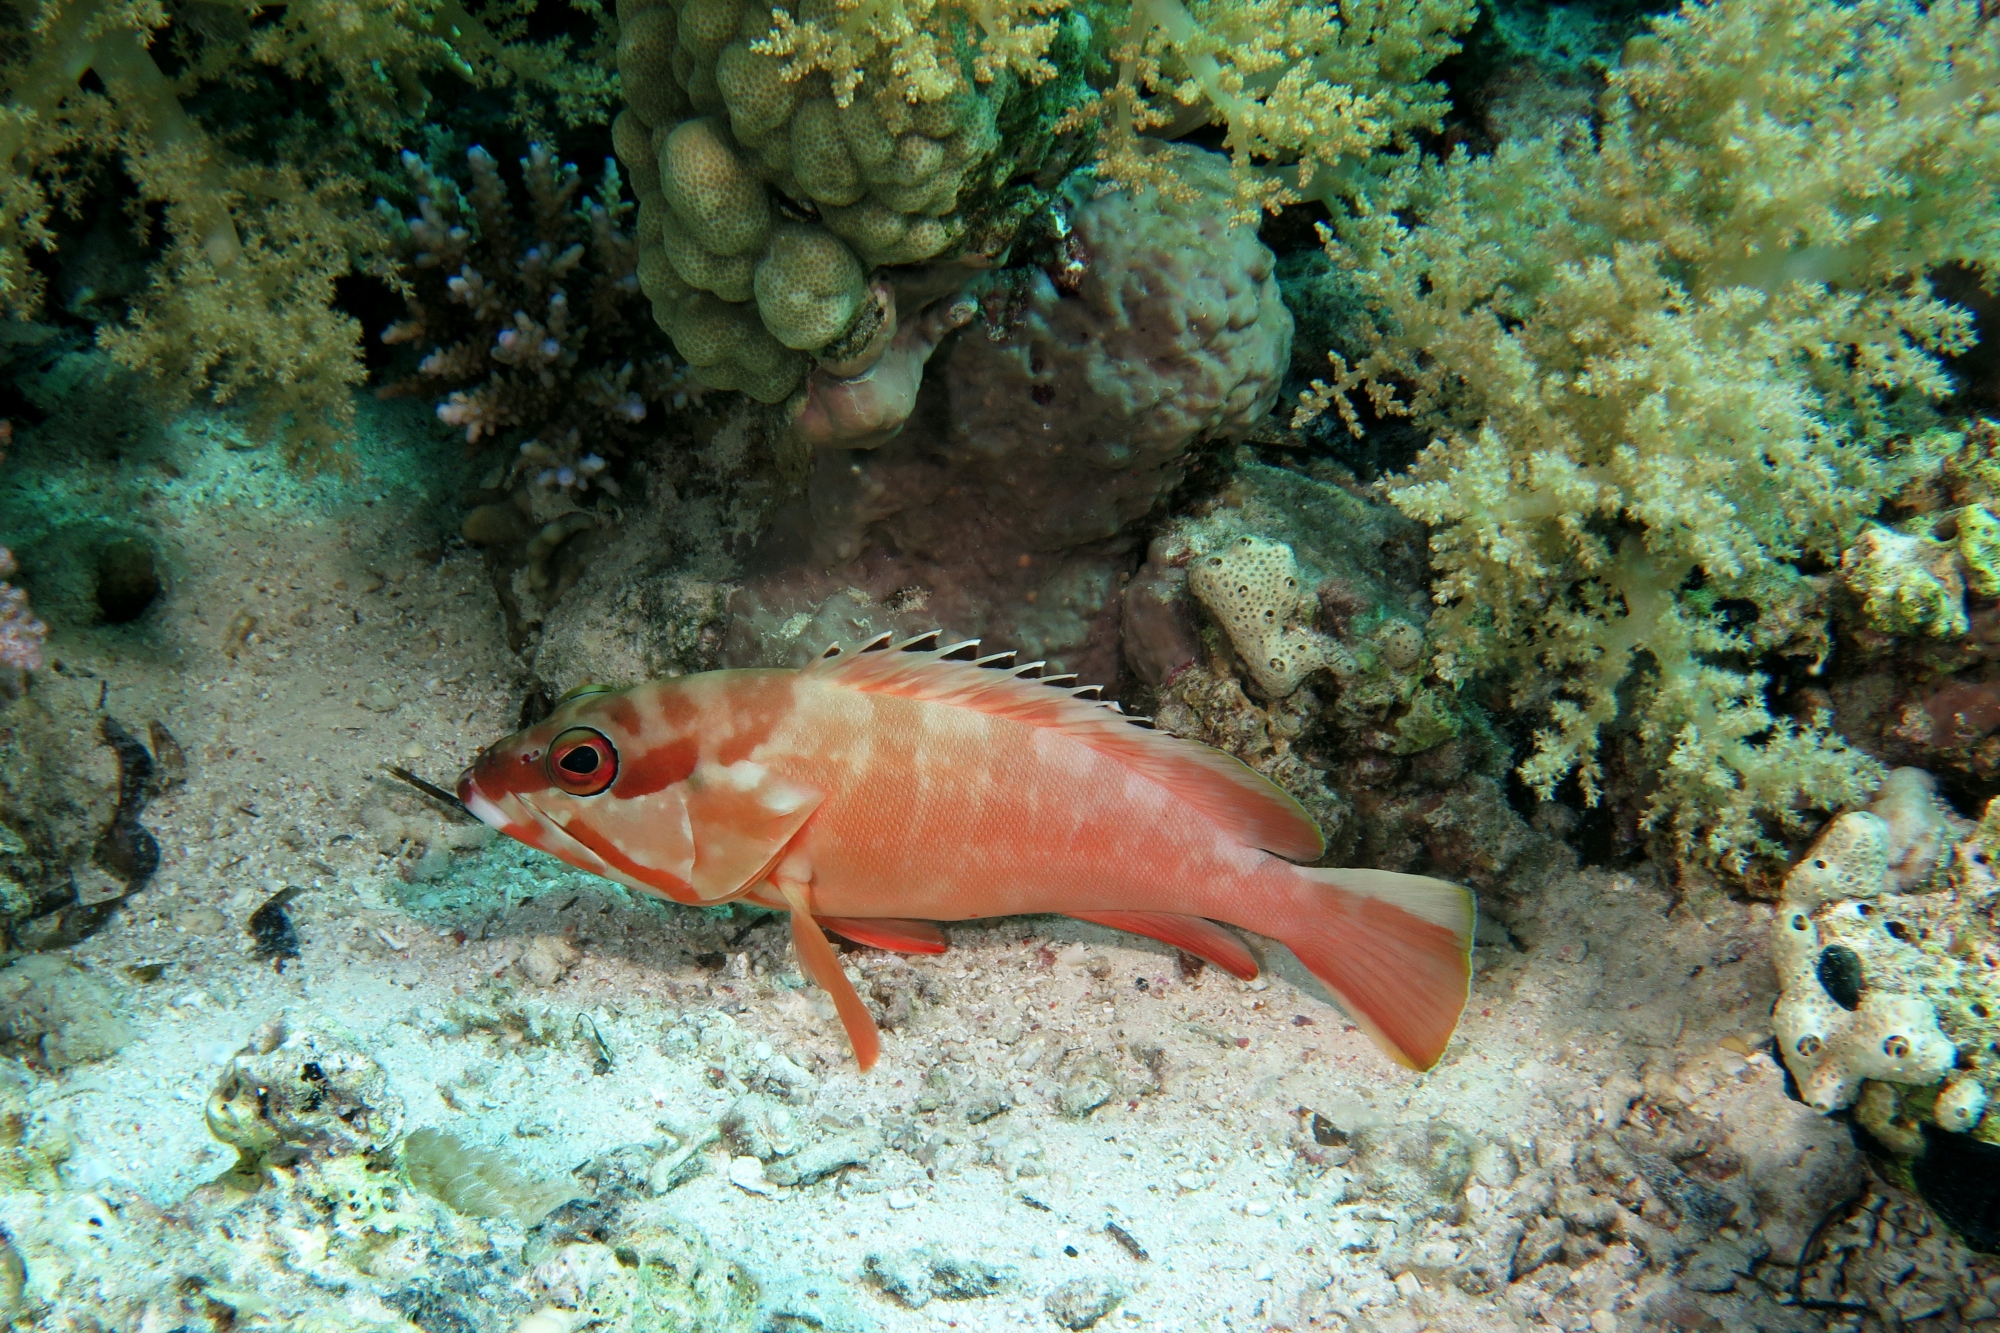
1218, 785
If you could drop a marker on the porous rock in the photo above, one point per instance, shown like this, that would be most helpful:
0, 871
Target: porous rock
303, 1089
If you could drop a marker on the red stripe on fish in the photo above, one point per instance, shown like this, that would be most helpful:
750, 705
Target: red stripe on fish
609, 852
656, 768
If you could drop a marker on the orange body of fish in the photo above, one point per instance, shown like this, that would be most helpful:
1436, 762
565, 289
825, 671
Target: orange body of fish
879, 791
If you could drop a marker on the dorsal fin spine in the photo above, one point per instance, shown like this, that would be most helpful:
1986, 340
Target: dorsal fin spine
1226, 790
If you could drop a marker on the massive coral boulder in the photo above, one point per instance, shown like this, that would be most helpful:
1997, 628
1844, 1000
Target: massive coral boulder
1010, 504
778, 156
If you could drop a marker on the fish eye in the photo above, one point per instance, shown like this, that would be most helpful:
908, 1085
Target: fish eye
582, 761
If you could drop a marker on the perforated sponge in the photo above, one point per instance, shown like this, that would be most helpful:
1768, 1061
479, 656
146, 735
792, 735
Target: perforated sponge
1251, 587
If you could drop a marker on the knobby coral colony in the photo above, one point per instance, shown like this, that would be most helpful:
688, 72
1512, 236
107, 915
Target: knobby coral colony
1673, 364
782, 155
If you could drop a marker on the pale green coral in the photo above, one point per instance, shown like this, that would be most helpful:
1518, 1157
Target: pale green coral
1667, 364
1908, 583
1304, 92
1979, 549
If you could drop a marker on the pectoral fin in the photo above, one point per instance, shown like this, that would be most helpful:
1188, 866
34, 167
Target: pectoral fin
741, 816
888, 932
1202, 938
820, 962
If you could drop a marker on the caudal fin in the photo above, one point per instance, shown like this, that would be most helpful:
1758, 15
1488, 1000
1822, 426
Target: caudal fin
1396, 950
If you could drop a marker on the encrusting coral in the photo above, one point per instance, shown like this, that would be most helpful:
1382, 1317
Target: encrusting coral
1885, 949
1251, 586
241, 302
1670, 364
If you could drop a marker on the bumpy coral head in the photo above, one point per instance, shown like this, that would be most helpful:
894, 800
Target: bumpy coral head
570, 784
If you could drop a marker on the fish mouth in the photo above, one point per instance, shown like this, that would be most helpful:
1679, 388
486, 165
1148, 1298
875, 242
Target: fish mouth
479, 803
576, 853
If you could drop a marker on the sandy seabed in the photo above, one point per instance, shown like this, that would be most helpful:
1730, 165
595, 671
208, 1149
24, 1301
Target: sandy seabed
1068, 1125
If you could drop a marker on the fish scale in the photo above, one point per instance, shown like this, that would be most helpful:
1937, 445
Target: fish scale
876, 792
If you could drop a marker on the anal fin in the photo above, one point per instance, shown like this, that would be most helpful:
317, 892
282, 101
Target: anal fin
1198, 936
820, 962
896, 934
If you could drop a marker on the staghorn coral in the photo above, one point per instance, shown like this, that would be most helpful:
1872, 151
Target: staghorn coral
534, 337
1668, 365
240, 304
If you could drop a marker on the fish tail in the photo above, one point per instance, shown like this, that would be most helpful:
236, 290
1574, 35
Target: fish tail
1396, 951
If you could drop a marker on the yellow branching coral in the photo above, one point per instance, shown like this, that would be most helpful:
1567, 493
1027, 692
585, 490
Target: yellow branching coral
1306, 91
1672, 370
241, 300
909, 44
258, 323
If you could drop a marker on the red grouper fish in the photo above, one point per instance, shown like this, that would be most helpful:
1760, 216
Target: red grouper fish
876, 792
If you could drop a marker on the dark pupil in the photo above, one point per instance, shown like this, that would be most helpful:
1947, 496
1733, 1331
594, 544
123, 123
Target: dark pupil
581, 760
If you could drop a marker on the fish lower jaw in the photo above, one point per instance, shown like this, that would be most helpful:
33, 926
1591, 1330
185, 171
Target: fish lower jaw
476, 801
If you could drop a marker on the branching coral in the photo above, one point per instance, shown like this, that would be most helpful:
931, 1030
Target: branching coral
242, 292
911, 44
534, 334
1305, 91
1672, 367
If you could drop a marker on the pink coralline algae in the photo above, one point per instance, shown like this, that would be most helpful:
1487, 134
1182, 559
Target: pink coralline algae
21, 635
1011, 502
